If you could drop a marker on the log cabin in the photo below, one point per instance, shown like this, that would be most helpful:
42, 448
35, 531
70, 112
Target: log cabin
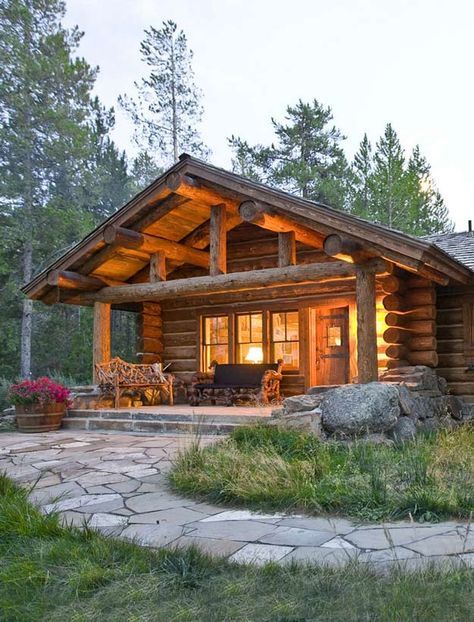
219, 267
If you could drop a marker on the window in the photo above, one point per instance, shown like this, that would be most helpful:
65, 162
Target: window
285, 339
250, 338
215, 340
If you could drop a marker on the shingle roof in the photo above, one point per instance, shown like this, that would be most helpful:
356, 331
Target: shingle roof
459, 245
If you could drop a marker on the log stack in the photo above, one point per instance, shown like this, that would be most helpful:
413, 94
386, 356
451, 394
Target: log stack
150, 330
410, 335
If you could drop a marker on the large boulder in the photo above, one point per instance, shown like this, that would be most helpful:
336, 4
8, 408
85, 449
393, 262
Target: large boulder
358, 409
404, 430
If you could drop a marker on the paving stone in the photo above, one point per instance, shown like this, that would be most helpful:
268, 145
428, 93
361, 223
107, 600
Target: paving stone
102, 519
443, 545
98, 478
98, 490
174, 516
129, 485
103, 506
260, 554
81, 502
467, 559
149, 488
387, 555
66, 490
295, 536
153, 535
123, 512
75, 519
334, 525
242, 515
338, 543
210, 546
245, 531
153, 501
321, 556
47, 480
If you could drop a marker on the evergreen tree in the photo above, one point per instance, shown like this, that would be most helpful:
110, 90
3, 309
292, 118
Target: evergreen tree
44, 109
306, 159
361, 186
167, 108
144, 170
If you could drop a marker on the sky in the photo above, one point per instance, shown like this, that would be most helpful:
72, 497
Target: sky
408, 62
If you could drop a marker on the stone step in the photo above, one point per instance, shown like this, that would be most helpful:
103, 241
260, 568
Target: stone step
194, 417
147, 426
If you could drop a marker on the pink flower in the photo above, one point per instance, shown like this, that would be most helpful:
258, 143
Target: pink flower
40, 391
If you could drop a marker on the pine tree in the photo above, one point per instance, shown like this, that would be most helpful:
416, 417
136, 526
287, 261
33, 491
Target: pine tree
306, 159
167, 108
143, 171
45, 111
361, 183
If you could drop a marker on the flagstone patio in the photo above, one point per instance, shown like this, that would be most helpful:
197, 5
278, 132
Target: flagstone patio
117, 484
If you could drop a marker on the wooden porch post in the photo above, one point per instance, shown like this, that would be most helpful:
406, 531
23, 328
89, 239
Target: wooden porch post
366, 325
286, 249
101, 335
218, 239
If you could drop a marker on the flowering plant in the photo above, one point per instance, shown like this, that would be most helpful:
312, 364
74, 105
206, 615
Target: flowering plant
41, 391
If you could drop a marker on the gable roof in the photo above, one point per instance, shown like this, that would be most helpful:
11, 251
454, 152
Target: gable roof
459, 245
182, 215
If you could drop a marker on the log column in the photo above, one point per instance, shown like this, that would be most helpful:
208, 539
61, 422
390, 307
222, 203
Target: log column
101, 335
218, 239
366, 325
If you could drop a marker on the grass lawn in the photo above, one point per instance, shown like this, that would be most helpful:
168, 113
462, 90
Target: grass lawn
57, 574
431, 478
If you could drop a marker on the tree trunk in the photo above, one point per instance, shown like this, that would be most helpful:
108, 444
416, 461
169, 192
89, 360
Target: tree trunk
26, 313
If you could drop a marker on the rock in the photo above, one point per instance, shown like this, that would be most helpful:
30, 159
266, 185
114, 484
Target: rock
455, 407
309, 421
301, 403
404, 430
319, 390
277, 413
358, 409
405, 400
442, 385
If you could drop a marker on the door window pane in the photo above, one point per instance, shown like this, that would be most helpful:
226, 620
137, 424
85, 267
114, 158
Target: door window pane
285, 338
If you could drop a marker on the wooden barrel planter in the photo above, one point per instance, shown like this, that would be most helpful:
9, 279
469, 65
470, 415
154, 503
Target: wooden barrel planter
40, 417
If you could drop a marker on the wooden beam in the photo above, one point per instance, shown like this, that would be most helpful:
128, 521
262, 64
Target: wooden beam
158, 267
345, 249
218, 240
101, 335
127, 238
260, 215
66, 279
314, 273
286, 249
366, 325
159, 211
190, 188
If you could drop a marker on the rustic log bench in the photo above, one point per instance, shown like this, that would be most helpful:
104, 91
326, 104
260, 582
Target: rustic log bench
231, 383
117, 375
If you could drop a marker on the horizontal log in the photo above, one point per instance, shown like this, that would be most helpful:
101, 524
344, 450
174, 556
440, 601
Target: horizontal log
151, 320
393, 284
65, 279
447, 346
450, 316
462, 388
415, 282
397, 351
394, 363
189, 187
345, 249
410, 299
396, 335
260, 215
179, 352
452, 359
451, 332
313, 273
128, 238
428, 358
422, 342
456, 374
180, 339
422, 327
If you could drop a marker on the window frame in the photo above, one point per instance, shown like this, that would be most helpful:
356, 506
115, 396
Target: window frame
272, 341
203, 344
233, 346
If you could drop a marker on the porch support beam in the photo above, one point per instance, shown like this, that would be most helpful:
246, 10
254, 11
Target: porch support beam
158, 267
345, 249
286, 249
218, 240
262, 216
366, 325
236, 281
128, 238
66, 279
101, 335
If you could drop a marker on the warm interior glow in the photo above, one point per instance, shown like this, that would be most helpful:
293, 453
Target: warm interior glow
254, 355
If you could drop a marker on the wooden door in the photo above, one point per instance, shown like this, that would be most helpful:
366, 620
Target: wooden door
331, 349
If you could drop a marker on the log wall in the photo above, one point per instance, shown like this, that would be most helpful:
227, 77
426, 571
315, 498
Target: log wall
410, 335
150, 333
452, 347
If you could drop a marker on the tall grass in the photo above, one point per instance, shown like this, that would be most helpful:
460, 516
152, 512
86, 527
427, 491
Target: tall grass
428, 479
48, 572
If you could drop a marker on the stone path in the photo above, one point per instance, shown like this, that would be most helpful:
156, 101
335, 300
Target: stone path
117, 484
